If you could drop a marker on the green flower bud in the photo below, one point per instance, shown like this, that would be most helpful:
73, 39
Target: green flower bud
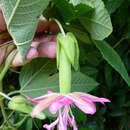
19, 103
71, 49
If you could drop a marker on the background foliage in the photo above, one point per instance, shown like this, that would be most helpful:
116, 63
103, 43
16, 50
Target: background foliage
98, 62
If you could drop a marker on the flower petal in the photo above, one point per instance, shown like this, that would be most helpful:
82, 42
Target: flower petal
92, 98
58, 104
43, 105
31, 101
86, 107
44, 96
55, 105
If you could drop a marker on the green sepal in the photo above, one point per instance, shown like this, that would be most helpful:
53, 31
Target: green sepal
70, 46
58, 50
19, 103
76, 58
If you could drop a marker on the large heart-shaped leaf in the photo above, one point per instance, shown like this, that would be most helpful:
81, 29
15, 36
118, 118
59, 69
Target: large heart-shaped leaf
22, 17
98, 24
39, 76
111, 56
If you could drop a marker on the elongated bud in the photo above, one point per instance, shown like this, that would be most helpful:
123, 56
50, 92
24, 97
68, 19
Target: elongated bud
67, 55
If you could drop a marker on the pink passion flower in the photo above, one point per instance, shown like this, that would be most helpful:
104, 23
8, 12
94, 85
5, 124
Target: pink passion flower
56, 101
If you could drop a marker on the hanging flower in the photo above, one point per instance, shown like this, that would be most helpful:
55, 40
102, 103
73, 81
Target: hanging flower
56, 101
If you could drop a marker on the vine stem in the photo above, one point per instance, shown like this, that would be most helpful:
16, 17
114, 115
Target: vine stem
14, 92
5, 96
2, 74
6, 67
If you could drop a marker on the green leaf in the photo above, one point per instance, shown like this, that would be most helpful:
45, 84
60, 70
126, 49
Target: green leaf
108, 75
36, 79
111, 56
70, 11
90, 71
34, 75
82, 82
113, 5
29, 124
22, 17
98, 24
